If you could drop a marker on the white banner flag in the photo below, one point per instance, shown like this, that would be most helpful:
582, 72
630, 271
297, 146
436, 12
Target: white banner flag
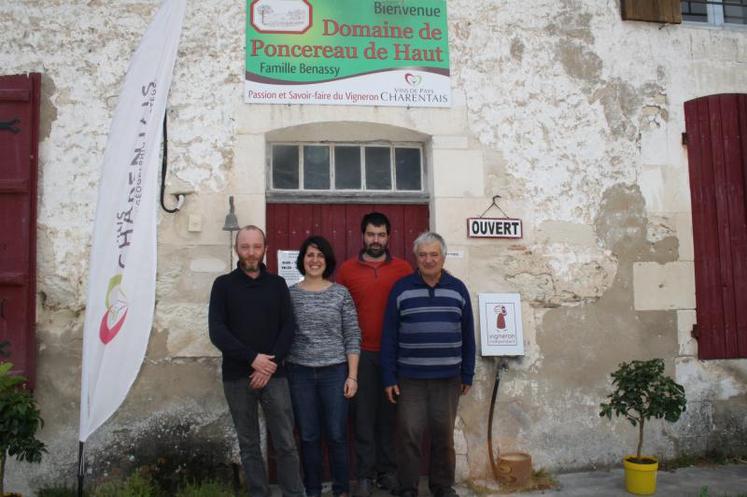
122, 278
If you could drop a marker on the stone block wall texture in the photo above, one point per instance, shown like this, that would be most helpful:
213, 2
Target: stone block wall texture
569, 113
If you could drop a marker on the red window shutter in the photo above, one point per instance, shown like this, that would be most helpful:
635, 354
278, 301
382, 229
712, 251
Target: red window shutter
19, 125
665, 11
717, 155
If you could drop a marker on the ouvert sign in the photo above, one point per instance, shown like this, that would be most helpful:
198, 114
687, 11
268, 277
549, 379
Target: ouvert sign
488, 227
366, 52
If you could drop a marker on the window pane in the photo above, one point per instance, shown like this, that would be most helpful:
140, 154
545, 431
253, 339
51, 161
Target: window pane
735, 14
378, 168
316, 167
348, 168
695, 10
407, 168
285, 166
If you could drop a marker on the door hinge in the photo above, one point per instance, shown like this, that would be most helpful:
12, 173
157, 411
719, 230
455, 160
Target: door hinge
695, 332
684, 138
11, 125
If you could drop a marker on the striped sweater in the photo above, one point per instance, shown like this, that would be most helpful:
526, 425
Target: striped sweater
428, 331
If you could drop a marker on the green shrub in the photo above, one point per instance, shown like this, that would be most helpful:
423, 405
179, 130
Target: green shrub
136, 485
705, 493
642, 391
20, 419
205, 489
57, 491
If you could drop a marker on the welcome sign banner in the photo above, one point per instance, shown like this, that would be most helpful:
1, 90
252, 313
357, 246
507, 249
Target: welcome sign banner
122, 278
347, 52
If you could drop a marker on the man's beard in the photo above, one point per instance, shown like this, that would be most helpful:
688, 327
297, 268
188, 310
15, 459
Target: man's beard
250, 265
375, 250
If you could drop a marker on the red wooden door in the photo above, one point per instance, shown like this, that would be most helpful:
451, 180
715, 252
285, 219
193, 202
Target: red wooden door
288, 225
717, 155
19, 125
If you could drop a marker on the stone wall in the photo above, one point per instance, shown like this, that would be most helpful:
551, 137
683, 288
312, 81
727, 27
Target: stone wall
573, 116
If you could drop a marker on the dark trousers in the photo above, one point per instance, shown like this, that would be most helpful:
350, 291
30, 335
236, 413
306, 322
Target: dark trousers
275, 399
321, 408
374, 421
431, 405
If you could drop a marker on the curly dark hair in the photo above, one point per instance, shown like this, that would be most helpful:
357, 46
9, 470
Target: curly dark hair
321, 244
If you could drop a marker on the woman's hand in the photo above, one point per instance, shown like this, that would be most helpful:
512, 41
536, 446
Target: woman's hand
351, 386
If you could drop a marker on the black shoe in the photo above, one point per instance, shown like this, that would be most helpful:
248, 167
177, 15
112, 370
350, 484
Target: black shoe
364, 488
388, 481
407, 493
444, 492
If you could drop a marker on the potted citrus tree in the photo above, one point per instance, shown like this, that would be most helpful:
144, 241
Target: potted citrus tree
19, 420
641, 391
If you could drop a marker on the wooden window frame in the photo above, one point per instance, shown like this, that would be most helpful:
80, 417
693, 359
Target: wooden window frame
362, 194
715, 15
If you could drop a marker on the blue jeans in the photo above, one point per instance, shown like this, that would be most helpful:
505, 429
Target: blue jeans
320, 406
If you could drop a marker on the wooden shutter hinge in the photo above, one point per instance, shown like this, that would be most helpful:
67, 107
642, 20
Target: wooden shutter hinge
684, 138
695, 332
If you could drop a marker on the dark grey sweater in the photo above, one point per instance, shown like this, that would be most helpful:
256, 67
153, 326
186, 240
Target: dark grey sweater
327, 327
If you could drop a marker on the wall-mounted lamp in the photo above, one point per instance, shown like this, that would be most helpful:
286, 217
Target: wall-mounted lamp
231, 224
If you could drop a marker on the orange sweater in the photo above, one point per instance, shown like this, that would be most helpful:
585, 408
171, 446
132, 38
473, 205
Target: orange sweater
369, 284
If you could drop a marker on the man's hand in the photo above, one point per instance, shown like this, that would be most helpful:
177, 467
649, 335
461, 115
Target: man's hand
392, 393
258, 380
263, 364
465, 389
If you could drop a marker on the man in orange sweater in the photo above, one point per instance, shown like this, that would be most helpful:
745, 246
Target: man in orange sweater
370, 277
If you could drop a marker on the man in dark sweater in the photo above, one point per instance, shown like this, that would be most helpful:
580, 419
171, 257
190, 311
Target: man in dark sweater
427, 362
251, 322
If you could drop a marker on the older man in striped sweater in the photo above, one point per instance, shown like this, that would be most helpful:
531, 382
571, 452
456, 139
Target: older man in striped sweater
427, 362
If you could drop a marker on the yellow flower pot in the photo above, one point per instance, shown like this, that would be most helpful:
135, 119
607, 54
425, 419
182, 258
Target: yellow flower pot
640, 478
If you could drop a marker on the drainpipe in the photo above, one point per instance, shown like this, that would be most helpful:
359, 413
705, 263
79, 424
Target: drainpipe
501, 364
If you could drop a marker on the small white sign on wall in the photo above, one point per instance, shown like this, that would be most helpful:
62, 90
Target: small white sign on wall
501, 330
287, 267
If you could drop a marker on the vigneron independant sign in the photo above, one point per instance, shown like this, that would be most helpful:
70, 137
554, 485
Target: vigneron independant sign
345, 52
490, 227
501, 328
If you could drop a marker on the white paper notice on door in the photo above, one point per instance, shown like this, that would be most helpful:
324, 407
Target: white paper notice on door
287, 267
501, 331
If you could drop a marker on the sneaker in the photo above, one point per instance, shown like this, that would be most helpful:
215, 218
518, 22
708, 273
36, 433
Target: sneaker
364, 488
387, 481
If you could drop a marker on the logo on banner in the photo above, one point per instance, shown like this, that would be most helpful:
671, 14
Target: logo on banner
412, 79
116, 310
281, 16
